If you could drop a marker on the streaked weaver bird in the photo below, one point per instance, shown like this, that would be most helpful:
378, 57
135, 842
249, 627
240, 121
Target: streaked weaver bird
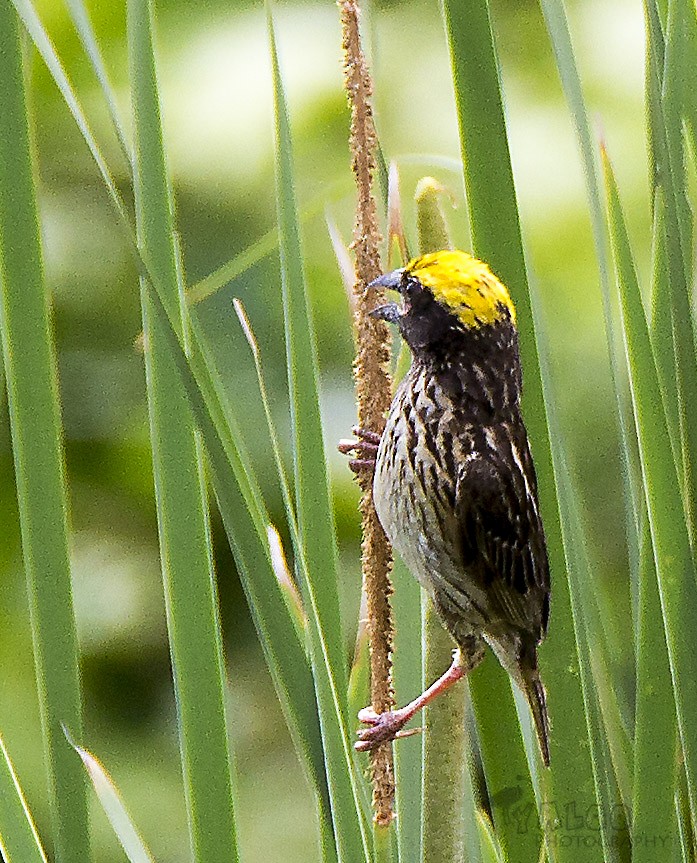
454, 483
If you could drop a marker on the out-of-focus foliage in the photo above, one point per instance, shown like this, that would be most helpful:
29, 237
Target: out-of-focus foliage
215, 82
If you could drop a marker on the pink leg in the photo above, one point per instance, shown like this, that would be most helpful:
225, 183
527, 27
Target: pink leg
387, 726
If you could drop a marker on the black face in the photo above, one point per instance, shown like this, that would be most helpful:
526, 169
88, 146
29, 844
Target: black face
423, 323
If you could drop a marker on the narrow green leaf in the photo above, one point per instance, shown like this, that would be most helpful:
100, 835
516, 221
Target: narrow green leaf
114, 809
30, 369
83, 25
313, 502
325, 811
239, 501
31, 21
19, 841
314, 507
653, 812
491, 850
672, 287
560, 37
185, 546
496, 237
675, 570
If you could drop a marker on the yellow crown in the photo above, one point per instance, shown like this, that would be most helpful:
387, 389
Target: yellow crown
464, 285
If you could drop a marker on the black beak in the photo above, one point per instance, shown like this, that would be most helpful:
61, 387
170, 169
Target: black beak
390, 312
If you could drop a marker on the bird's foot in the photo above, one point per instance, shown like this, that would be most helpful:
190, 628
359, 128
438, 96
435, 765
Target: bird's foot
365, 448
383, 727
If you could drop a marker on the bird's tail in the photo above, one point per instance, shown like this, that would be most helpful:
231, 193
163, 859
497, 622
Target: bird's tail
534, 692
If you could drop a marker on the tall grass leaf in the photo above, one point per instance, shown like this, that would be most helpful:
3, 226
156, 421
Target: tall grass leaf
673, 289
245, 520
114, 809
185, 543
653, 810
238, 499
496, 237
19, 841
83, 26
313, 502
675, 569
32, 23
560, 37
314, 506
35, 423
325, 812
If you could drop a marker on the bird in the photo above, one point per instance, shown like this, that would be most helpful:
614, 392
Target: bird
454, 483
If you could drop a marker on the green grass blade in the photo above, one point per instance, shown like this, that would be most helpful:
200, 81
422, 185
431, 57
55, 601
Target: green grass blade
185, 545
314, 507
19, 841
30, 369
675, 570
114, 809
83, 26
246, 521
560, 37
32, 23
496, 237
325, 811
673, 289
653, 812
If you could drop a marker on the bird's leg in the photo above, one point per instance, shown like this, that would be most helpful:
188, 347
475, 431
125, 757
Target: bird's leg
387, 726
366, 448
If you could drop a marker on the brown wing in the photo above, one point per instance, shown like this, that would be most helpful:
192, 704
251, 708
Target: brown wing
502, 540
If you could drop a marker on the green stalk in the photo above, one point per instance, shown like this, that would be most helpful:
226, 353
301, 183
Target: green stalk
32, 387
185, 544
443, 767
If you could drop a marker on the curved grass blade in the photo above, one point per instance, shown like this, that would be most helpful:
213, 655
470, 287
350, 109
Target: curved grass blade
314, 508
32, 387
83, 26
183, 521
675, 570
325, 810
245, 520
496, 237
19, 841
113, 807
243, 514
27, 14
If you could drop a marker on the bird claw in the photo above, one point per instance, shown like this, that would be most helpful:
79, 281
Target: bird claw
366, 447
384, 727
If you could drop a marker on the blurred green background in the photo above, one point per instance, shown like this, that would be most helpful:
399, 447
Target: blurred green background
215, 82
